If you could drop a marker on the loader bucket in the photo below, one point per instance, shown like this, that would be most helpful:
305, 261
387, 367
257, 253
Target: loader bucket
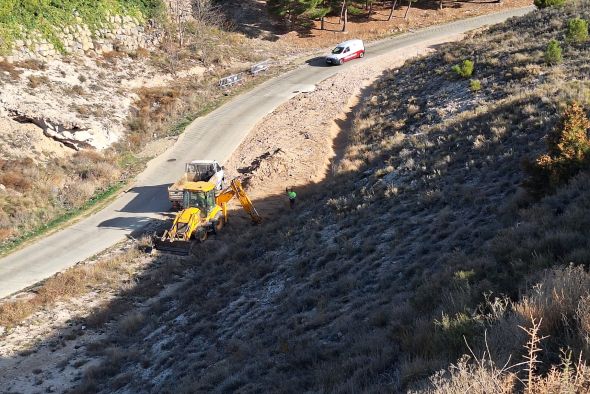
181, 248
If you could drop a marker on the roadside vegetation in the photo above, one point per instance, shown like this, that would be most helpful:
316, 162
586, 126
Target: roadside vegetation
437, 237
45, 17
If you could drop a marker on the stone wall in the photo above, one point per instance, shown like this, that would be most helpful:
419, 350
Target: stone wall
117, 33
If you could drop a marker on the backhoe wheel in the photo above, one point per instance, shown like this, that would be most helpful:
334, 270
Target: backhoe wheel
218, 224
202, 236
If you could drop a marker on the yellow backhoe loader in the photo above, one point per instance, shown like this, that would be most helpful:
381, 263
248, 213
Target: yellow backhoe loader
203, 213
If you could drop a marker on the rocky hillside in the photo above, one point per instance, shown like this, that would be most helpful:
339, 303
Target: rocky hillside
423, 239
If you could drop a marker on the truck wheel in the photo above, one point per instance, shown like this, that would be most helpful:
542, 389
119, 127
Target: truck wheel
362, 54
341, 61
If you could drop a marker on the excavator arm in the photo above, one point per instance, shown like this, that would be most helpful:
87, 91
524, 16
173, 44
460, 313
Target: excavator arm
235, 189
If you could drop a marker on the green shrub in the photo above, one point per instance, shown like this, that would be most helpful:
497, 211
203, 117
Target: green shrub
465, 69
47, 17
577, 30
548, 3
475, 85
452, 330
354, 11
553, 53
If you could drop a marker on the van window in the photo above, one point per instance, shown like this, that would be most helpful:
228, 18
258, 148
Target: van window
337, 50
346, 50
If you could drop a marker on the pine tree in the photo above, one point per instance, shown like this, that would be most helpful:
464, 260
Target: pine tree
292, 10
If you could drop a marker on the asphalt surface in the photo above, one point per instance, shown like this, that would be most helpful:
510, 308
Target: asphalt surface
214, 136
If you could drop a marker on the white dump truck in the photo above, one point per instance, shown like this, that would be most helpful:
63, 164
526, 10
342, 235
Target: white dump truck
195, 171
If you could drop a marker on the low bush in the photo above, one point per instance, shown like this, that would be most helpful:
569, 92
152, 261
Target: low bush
36, 81
577, 30
553, 53
548, 3
464, 69
568, 149
475, 85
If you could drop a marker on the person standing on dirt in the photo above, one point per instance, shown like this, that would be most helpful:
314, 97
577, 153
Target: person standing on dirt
292, 196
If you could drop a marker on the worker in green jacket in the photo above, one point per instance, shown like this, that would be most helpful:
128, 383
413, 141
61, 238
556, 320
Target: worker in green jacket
292, 196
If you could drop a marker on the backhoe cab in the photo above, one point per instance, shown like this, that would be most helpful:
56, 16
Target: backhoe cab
204, 213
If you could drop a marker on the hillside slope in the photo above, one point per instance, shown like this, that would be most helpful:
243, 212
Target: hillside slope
386, 268
372, 282
375, 279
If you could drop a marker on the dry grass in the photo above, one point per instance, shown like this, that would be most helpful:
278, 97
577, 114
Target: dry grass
32, 64
70, 283
10, 69
36, 81
36, 194
557, 312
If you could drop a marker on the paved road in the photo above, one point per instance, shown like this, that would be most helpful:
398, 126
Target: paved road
214, 136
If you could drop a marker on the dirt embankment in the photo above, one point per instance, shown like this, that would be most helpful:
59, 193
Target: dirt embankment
301, 140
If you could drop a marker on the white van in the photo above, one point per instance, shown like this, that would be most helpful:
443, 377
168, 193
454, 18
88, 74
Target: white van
346, 51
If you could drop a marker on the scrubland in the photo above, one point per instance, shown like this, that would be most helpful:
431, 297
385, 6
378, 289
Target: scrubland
447, 252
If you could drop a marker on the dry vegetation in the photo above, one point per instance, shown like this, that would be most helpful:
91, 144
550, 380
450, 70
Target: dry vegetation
424, 240
36, 193
70, 283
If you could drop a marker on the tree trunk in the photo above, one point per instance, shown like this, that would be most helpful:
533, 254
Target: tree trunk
393, 4
370, 9
322, 23
440, 5
342, 11
345, 19
408, 9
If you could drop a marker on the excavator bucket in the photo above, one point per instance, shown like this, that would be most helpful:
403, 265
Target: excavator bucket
178, 247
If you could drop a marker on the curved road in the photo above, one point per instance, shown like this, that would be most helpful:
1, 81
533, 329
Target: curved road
214, 136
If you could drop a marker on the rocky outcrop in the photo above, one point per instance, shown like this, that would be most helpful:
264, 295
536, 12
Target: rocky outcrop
71, 135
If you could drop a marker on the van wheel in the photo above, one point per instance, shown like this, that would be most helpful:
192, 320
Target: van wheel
341, 61
362, 54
